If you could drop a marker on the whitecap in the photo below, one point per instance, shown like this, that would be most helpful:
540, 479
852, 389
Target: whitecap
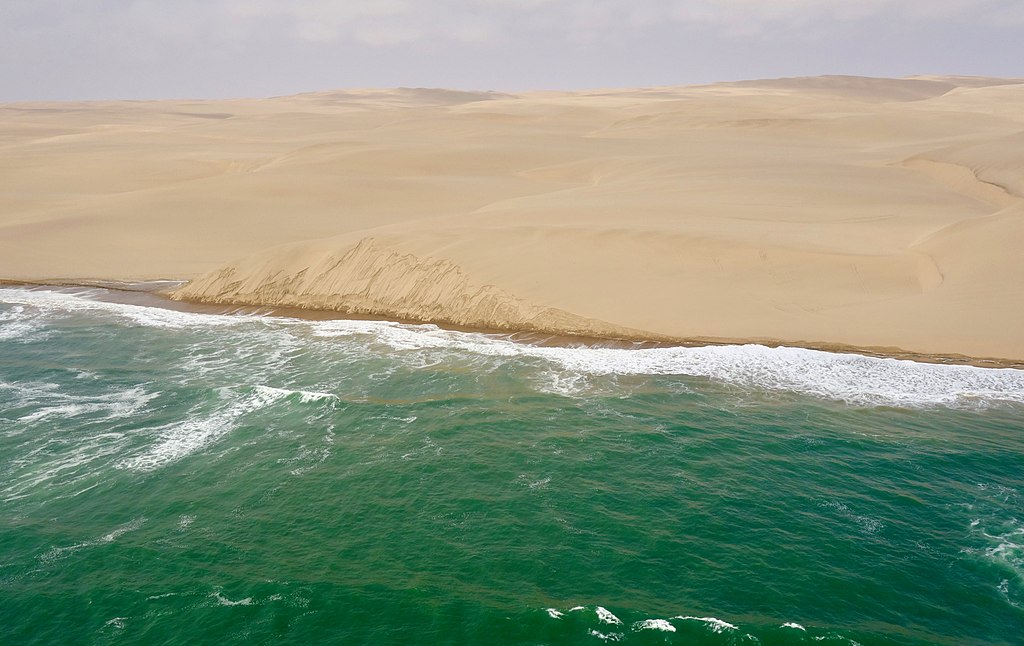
654, 624
65, 465
312, 457
558, 381
404, 420
178, 440
162, 596
16, 325
715, 624
1008, 549
524, 479
793, 625
57, 553
998, 540
118, 404
867, 524
224, 601
555, 614
307, 396
605, 616
543, 482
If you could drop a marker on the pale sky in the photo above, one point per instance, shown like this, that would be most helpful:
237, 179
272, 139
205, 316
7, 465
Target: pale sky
130, 49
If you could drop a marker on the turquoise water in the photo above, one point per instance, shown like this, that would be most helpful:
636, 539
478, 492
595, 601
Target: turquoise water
173, 477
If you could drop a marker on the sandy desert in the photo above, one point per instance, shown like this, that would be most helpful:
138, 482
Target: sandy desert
882, 214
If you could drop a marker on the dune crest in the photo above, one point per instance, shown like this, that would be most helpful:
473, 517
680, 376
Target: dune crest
371, 279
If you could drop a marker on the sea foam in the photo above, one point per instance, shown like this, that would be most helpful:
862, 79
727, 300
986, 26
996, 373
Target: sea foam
84, 300
852, 378
18, 325
57, 553
178, 440
715, 624
53, 461
125, 403
654, 624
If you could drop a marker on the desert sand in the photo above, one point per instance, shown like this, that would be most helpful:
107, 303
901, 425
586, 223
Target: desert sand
873, 213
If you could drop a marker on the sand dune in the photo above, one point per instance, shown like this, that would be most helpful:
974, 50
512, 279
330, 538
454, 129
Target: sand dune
831, 210
374, 280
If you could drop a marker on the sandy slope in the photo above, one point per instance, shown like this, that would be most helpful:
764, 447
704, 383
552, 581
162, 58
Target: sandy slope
869, 212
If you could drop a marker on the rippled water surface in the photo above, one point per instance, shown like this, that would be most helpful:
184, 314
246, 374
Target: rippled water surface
173, 477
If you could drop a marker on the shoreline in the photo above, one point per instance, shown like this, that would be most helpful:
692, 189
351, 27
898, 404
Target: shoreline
153, 293
844, 214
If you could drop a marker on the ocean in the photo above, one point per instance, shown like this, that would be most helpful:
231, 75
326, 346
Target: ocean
175, 477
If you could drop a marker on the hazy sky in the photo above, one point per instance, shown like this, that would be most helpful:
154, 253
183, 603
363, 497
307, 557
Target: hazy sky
92, 49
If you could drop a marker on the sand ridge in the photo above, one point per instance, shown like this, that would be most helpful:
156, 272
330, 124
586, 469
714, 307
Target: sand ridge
847, 210
369, 279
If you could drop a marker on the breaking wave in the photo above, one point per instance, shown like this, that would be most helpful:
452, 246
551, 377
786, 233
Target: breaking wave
852, 378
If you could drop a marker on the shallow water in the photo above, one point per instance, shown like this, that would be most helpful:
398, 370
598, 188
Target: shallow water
180, 477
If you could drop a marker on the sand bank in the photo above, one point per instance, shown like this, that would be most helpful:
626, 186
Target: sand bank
882, 213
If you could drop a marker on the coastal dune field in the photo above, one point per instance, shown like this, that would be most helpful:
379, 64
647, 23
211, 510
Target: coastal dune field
830, 211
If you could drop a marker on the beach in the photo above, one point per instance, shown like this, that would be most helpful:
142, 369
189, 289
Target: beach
846, 212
